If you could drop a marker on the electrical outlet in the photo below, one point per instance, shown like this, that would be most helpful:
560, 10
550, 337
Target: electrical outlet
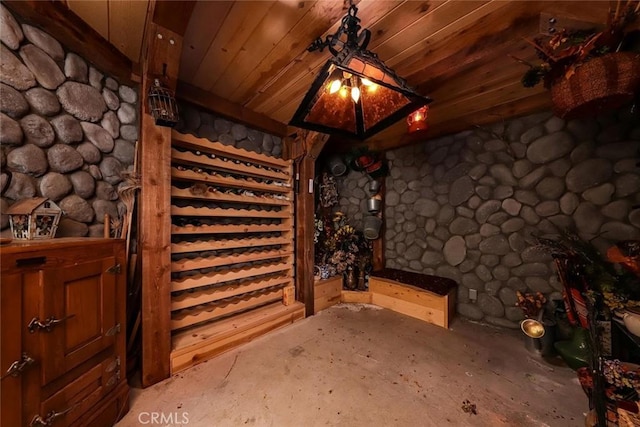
473, 294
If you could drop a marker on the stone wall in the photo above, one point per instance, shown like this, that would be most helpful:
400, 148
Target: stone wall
352, 197
200, 122
464, 206
67, 131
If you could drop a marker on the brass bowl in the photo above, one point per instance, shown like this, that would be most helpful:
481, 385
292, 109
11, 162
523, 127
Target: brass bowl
532, 328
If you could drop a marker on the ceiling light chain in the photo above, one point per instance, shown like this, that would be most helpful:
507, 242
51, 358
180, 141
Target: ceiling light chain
351, 27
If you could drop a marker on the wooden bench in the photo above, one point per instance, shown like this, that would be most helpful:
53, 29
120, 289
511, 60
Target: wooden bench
428, 298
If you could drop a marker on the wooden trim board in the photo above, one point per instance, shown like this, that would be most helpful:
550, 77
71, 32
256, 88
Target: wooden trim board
355, 297
413, 301
326, 293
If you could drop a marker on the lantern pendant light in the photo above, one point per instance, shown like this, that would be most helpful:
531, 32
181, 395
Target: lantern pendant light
355, 94
418, 119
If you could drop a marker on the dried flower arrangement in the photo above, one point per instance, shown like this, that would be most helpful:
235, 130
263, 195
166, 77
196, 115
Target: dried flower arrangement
531, 304
589, 70
339, 246
566, 51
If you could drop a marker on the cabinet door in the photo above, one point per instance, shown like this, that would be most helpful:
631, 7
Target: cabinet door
81, 302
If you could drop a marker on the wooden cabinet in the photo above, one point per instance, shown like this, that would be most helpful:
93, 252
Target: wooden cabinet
62, 323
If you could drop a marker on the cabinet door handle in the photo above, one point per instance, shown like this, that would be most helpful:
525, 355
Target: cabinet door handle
18, 366
35, 323
48, 420
115, 269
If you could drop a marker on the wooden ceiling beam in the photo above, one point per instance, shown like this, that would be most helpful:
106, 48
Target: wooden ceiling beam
75, 34
230, 110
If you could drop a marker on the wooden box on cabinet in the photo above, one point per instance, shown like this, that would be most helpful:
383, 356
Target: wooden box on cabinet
62, 325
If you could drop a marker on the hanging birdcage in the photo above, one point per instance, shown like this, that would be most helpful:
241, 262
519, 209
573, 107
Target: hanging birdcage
162, 105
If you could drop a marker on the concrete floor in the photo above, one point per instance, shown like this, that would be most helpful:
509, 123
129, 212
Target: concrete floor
355, 365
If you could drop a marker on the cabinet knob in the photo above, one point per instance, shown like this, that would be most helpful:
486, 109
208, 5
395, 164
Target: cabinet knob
35, 323
18, 366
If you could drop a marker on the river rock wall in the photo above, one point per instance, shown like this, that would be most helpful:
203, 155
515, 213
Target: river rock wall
465, 206
67, 131
202, 123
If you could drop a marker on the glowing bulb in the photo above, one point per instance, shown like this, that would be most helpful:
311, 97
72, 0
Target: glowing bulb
344, 92
366, 82
346, 75
334, 86
355, 94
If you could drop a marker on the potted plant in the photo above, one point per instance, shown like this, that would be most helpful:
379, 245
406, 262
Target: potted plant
588, 71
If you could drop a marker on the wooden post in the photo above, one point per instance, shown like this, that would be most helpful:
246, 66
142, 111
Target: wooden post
313, 143
163, 59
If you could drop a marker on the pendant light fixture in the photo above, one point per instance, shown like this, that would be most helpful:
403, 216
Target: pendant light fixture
355, 94
418, 119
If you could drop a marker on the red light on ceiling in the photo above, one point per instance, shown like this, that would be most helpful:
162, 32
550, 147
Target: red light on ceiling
418, 119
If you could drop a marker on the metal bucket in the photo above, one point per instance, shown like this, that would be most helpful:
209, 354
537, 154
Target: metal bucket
374, 187
337, 166
372, 226
374, 204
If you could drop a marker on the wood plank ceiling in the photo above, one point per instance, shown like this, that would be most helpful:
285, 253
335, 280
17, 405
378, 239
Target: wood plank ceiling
253, 53
121, 22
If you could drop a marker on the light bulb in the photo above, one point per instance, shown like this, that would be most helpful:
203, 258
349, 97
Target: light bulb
366, 82
355, 94
344, 92
346, 75
335, 86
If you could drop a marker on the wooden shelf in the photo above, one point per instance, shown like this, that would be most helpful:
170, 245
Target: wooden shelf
218, 196
204, 145
228, 228
190, 299
285, 213
227, 181
199, 280
240, 294
190, 158
207, 312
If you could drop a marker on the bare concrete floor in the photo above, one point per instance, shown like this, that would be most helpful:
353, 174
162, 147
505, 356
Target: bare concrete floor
354, 365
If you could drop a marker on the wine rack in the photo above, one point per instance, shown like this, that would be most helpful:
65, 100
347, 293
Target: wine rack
232, 249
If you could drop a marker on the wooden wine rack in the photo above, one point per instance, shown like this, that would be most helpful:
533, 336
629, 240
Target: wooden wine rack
232, 247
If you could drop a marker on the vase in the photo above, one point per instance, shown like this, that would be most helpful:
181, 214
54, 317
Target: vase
351, 280
575, 352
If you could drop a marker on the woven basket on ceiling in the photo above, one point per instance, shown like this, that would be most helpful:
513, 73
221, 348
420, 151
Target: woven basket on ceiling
605, 82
